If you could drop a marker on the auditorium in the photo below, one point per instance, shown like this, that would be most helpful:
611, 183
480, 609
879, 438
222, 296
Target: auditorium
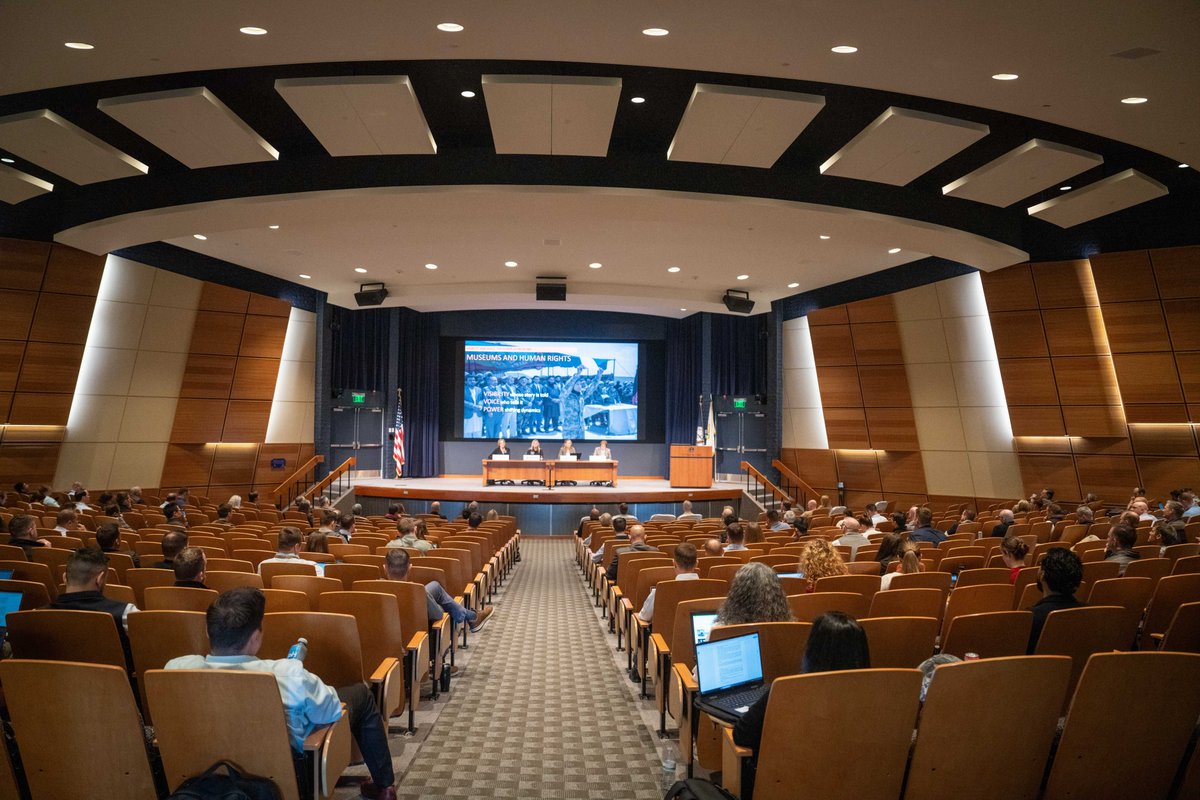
621, 400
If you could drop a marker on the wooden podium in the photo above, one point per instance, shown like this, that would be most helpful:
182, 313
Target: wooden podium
691, 466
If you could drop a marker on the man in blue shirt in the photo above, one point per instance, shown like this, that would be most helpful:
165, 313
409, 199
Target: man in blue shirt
925, 531
234, 622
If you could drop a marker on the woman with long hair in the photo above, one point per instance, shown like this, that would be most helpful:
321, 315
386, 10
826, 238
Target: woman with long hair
753, 533
910, 563
318, 542
819, 560
1013, 551
835, 643
755, 595
889, 551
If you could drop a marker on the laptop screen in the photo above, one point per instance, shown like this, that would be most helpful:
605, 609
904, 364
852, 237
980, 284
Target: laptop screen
9, 602
6, 574
702, 622
728, 663
791, 574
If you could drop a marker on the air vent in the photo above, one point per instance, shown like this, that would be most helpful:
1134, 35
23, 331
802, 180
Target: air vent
552, 242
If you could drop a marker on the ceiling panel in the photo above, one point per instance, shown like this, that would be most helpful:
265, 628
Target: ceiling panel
191, 125
551, 115
361, 115
1114, 193
16, 186
46, 139
1019, 173
901, 145
745, 127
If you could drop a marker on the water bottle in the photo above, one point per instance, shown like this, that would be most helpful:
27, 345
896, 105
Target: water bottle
299, 651
670, 755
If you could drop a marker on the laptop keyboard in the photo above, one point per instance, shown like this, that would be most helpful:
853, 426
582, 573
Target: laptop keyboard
745, 697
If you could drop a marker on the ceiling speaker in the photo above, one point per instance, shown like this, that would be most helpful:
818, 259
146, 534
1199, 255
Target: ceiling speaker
737, 301
370, 294
552, 291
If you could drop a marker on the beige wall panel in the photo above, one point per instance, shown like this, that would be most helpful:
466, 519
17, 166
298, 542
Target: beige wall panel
175, 291
969, 339
295, 383
961, 296
95, 418
90, 463
932, 385
923, 341
105, 371
147, 419
940, 428
987, 429
807, 427
157, 374
978, 383
918, 303
116, 325
126, 281
138, 464
167, 329
996, 474
947, 472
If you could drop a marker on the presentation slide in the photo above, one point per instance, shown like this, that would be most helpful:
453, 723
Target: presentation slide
550, 390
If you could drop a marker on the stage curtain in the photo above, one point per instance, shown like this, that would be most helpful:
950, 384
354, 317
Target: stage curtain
739, 354
417, 353
359, 357
684, 376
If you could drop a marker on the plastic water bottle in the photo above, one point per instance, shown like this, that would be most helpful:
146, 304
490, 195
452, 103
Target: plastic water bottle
670, 755
299, 651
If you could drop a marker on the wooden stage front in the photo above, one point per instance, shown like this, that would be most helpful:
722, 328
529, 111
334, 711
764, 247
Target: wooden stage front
463, 488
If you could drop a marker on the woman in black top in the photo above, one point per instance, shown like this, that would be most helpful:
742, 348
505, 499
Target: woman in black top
501, 448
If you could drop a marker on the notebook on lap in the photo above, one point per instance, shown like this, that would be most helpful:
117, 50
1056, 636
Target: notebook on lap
702, 622
730, 677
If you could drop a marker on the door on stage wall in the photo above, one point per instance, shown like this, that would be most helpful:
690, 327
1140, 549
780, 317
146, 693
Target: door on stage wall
358, 431
743, 434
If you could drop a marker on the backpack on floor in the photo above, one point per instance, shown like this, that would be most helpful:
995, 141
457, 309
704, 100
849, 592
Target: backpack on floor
697, 789
211, 785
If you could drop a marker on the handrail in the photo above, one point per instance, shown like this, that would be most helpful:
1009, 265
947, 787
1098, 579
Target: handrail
775, 491
335, 474
790, 477
296, 476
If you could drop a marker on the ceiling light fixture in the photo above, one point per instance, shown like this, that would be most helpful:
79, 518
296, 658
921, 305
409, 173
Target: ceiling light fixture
199, 236
743, 277
467, 93
510, 264
844, 49
823, 236
449, 27
1134, 101
656, 31
672, 269
251, 30
10, 161
793, 285
1181, 166
306, 277
683, 309
431, 266
637, 100
360, 270
595, 265
79, 45
1005, 76
273, 227
894, 250
1064, 188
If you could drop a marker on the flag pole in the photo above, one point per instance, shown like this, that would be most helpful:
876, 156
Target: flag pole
397, 470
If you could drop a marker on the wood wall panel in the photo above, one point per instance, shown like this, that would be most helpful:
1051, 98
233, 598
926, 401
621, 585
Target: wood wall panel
901, 472
215, 297
1094, 421
50, 367
23, 264
1075, 331
1136, 327
1164, 440
1019, 334
875, 309
198, 421
893, 429
1157, 413
877, 343
1107, 476
262, 337
840, 387
234, 464
815, 467
188, 465
268, 306
1148, 378
207, 376
16, 314
1183, 323
1057, 472
1064, 284
1029, 382
217, 333
5, 405
1123, 277
62, 318
1009, 289
246, 421
834, 315
1165, 472
11, 355
1037, 420
254, 379
1188, 365
859, 471
33, 463
290, 453
832, 346
40, 409
885, 387
847, 428
1175, 269
1101, 446
1085, 380
71, 271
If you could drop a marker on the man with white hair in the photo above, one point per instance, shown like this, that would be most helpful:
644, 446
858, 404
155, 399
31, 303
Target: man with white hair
1142, 509
1006, 519
853, 537
687, 511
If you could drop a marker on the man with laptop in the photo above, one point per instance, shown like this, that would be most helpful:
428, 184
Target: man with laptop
685, 570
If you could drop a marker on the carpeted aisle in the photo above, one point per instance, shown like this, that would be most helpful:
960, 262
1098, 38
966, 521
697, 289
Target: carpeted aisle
541, 711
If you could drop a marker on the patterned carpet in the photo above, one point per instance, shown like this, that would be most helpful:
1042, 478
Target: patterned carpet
541, 711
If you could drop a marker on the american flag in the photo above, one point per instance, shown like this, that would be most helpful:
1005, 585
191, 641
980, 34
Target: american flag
398, 447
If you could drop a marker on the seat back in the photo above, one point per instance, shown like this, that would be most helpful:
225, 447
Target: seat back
223, 581
627, 573
990, 634
349, 573
963, 710
35, 573
33, 595
683, 648
807, 607
670, 593
58, 635
814, 735
142, 578
200, 718
227, 565
155, 637
311, 585
1171, 592
1080, 632
456, 572
285, 600
900, 642
67, 714
380, 637
866, 585
650, 573
1132, 594
977, 600
705, 563
908, 603
334, 651
781, 644
922, 580
1183, 635
725, 572
178, 598
982, 576
410, 601
278, 569
1153, 730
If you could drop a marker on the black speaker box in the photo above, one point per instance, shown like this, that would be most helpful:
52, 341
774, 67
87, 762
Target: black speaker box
371, 297
551, 291
738, 305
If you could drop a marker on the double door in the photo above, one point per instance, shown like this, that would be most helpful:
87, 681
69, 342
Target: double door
742, 435
359, 431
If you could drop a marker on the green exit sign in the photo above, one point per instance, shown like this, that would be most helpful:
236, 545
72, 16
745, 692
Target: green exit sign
358, 397
739, 402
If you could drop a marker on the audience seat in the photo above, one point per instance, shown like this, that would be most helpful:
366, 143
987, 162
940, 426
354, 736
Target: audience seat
1080, 632
989, 634
155, 637
178, 598
349, 573
34, 573
900, 642
427, 644
976, 600
58, 635
1183, 634
381, 642
908, 603
310, 585
1171, 592
33, 593
142, 578
807, 607
279, 600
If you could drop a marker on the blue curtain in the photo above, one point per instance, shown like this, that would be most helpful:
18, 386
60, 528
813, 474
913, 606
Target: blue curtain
740, 354
360, 352
685, 365
417, 355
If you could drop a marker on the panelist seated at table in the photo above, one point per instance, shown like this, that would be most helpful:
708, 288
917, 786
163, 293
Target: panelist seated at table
535, 449
567, 451
602, 451
501, 449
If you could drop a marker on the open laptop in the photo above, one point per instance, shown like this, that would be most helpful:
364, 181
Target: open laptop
702, 622
730, 677
6, 574
9, 602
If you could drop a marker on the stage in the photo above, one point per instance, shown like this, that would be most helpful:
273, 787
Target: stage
539, 509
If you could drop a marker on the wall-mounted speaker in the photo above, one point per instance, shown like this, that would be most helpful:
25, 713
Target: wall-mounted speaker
370, 294
738, 301
552, 291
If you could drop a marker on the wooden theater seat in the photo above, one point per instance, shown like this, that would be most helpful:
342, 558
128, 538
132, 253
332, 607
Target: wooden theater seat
989, 634
59, 635
178, 598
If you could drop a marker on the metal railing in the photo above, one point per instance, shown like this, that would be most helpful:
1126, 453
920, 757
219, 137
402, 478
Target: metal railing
338, 477
293, 487
793, 485
756, 481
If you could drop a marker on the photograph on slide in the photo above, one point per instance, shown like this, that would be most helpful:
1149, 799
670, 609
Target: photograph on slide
550, 390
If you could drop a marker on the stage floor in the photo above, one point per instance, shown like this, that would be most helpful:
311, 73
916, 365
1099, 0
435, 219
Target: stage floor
629, 490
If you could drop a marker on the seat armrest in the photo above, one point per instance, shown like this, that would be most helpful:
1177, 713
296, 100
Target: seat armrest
381, 672
734, 759
329, 750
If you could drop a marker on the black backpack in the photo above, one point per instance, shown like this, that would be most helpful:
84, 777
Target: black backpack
697, 789
211, 785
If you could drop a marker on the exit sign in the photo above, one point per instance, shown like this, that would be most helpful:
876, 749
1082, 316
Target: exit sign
739, 402
358, 397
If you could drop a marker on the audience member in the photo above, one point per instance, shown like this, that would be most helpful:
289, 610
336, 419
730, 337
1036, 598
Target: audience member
925, 532
108, 540
819, 560
735, 535
224, 512
1013, 552
899, 522
1191, 504
191, 568
713, 547
967, 515
687, 511
172, 543
753, 533
1060, 576
396, 565
66, 522
637, 544
1007, 520
435, 508
775, 521
876, 517
345, 528
1171, 529
755, 595
889, 551
1119, 548
235, 501
318, 542
684, 559
288, 550
623, 513
852, 536
910, 564
87, 573
234, 622
1142, 509
409, 536
395, 512
618, 526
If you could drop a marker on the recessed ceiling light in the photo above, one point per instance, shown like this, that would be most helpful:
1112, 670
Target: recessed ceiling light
595, 265
656, 31
637, 100
1064, 188
431, 266
894, 250
199, 236
1134, 101
467, 93
306, 277
510, 264
672, 269
1181, 166
844, 48
793, 285
449, 27
1005, 76
683, 309
251, 30
743, 277
79, 45
10, 161
273, 227
360, 269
